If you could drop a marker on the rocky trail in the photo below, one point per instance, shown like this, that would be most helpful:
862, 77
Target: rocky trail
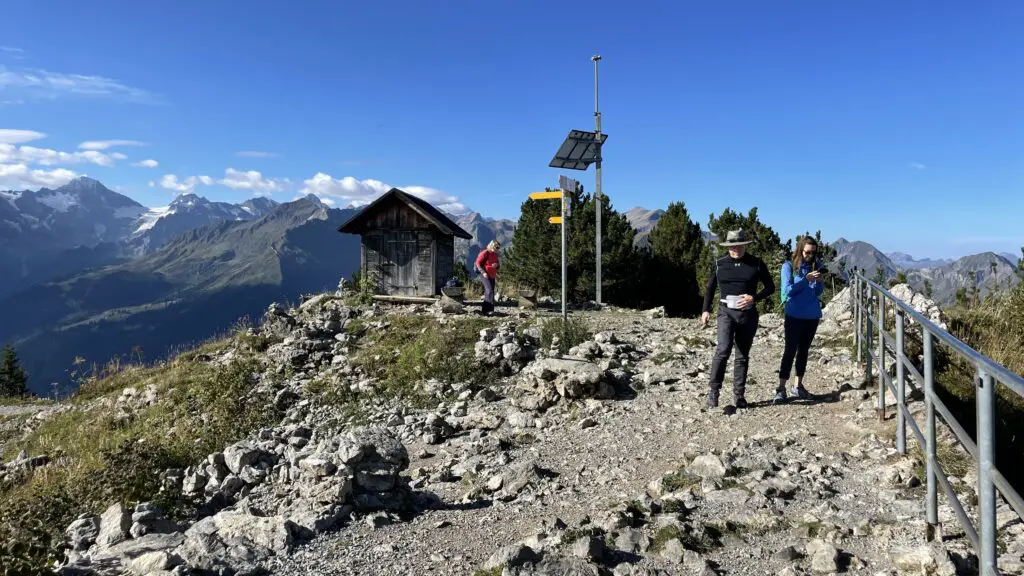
789, 486
601, 461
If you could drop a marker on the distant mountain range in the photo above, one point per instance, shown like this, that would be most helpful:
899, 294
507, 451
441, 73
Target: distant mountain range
90, 272
194, 286
483, 230
990, 271
50, 233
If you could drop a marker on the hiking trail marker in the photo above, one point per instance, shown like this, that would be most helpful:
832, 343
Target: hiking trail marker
566, 186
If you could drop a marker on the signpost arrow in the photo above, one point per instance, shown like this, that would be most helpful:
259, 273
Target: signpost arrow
554, 195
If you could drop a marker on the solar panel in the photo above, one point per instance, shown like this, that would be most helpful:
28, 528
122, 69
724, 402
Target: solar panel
578, 151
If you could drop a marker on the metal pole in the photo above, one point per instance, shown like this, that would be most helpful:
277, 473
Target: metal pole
932, 503
881, 356
901, 422
986, 461
597, 181
858, 319
564, 274
868, 334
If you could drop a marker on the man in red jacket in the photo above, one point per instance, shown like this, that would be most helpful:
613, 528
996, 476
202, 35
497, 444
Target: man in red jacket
487, 266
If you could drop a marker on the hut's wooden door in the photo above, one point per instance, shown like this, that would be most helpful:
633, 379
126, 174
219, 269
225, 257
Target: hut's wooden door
400, 271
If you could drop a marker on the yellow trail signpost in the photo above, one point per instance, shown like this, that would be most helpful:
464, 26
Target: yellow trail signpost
566, 185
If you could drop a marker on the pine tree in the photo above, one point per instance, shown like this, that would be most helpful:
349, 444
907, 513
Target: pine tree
901, 278
879, 276
620, 259
13, 381
535, 258
676, 245
927, 288
767, 246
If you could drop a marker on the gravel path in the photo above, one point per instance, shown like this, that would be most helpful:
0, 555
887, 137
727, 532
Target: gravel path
634, 441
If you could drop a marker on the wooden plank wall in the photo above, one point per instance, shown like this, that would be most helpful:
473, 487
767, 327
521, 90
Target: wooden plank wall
371, 258
425, 264
445, 260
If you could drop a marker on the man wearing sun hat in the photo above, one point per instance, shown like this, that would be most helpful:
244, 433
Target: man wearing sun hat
736, 276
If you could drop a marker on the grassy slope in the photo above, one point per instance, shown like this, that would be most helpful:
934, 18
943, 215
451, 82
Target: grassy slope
100, 459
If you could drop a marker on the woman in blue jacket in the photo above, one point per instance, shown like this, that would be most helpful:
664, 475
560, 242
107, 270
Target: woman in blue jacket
801, 287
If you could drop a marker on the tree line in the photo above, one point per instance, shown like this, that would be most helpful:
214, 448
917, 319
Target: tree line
671, 268
13, 380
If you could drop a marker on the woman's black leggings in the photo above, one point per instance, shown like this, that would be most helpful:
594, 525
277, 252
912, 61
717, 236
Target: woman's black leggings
799, 334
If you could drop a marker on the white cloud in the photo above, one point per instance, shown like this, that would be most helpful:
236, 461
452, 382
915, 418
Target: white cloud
917, 166
253, 180
104, 144
147, 164
20, 176
152, 184
443, 201
118, 156
256, 154
46, 157
96, 157
13, 136
170, 182
29, 83
361, 192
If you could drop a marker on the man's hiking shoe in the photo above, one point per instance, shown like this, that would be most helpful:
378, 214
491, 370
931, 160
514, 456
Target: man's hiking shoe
712, 400
741, 402
801, 392
780, 396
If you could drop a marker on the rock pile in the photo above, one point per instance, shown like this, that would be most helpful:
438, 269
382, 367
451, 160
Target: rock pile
20, 466
501, 347
923, 305
838, 313
261, 497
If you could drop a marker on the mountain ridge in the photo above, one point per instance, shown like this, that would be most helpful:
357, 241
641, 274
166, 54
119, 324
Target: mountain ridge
198, 284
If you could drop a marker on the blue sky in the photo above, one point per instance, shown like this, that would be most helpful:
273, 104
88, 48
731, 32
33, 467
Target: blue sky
899, 123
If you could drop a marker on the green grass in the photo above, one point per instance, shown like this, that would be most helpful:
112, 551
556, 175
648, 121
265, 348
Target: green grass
99, 460
665, 535
679, 480
24, 401
572, 332
414, 349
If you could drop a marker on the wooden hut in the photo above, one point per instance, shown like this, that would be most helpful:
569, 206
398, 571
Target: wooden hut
407, 244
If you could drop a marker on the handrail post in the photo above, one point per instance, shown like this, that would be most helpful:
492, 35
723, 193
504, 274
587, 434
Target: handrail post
881, 357
931, 458
986, 461
901, 422
868, 334
858, 316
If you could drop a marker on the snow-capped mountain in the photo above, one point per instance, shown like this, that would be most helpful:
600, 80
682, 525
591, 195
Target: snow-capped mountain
52, 232
158, 226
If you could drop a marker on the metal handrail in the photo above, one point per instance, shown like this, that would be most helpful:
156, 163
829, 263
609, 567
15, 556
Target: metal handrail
870, 335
